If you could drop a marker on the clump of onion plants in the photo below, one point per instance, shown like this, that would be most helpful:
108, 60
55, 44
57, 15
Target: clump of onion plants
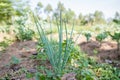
57, 57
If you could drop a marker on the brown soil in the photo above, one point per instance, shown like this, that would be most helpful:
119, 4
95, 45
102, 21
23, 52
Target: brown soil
6, 35
107, 52
21, 50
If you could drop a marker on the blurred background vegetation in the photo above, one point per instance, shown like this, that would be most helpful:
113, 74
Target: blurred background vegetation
11, 9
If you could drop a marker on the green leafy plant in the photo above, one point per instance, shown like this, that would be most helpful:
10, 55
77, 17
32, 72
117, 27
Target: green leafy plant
58, 58
89, 69
29, 75
23, 33
14, 60
100, 37
106, 72
116, 37
87, 35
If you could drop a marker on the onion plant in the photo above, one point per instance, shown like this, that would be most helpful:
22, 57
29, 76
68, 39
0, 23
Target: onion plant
58, 58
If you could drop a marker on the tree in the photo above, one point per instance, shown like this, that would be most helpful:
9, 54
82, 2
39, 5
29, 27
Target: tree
39, 7
56, 13
80, 19
99, 17
87, 19
80, 16
48, 9
55, 16
84, 20
6, 10
60, 7
90, 19
69, 15
117, 18
21, 7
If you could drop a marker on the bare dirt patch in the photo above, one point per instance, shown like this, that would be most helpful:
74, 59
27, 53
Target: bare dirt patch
21, 50
107, 52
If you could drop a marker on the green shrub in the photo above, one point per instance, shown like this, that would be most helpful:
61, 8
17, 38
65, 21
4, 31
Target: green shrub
87, 35
100, 37
116, 37
24, 34
106, 72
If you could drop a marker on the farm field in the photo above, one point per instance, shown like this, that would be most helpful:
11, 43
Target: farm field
57, 44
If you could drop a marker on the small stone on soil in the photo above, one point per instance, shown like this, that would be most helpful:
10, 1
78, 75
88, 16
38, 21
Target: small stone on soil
32, 70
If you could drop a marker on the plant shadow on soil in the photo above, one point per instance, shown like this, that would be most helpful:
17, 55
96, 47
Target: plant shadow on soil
106, 53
